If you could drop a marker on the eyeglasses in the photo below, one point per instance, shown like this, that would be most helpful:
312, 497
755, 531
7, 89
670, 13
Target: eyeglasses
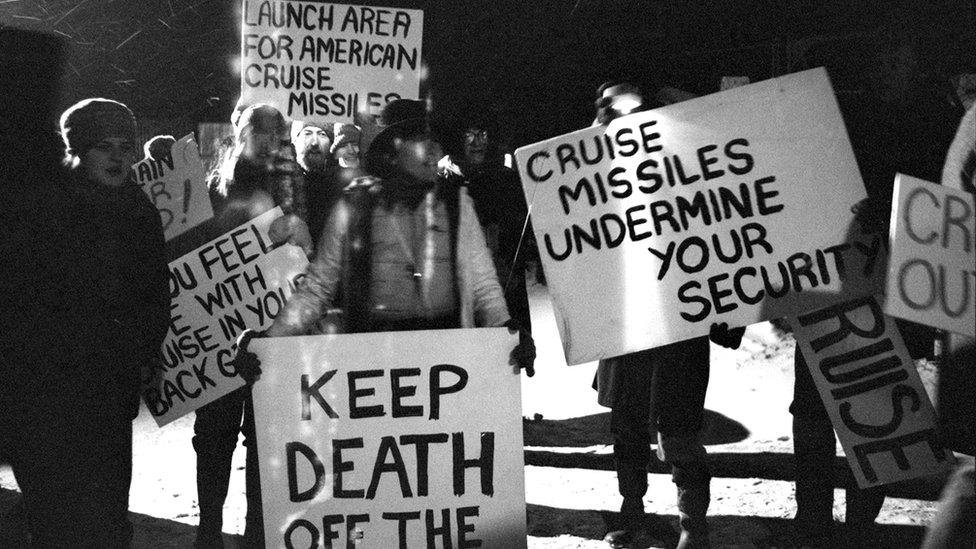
471, 136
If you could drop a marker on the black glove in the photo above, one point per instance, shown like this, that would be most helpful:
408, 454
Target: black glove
246, 363
523, 355
872, 215
720, 334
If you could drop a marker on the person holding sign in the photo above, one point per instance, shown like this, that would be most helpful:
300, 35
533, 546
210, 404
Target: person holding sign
264, 176
407, 249
498, 200
345, 148
664, 387
900, 125
95, 316
953, 525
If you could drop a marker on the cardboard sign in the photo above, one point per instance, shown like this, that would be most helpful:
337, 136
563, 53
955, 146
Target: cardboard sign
932, 266
325, 62
405, 439
233, 283
177, 186
735, 207
872, 392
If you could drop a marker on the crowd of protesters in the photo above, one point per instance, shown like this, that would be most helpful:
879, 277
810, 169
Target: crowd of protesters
92, 305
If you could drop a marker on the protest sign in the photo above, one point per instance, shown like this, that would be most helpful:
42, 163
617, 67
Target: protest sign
177, 186
403, 439
872, 392
233, 283
323, 62
735, 207
932, 267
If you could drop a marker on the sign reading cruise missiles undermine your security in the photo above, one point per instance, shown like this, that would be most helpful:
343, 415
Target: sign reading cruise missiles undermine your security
711, 210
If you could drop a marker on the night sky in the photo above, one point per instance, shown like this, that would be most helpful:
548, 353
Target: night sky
537, 63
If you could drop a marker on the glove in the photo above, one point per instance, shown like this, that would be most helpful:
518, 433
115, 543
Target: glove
291, 229
523, 354
246, 364
872, 215
720, 334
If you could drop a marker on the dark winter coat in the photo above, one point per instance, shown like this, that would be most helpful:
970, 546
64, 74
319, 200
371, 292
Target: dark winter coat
90, 299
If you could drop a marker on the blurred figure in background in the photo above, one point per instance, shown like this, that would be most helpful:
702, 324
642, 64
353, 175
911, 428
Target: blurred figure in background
901, 123
264, 175
159, 147
500, 204
954, 525
313, 144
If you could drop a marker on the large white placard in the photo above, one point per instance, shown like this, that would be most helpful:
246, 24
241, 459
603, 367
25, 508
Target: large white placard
316, 61
235, 282
872, 392
406, 439
932, 266
735, 207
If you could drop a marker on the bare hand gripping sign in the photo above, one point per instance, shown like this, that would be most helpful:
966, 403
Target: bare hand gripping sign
233, 283
872, 392
325, 62
932, 270
405, 439
733, 207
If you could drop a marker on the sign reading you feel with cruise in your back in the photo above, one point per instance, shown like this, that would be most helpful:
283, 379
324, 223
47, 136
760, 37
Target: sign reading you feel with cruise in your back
315, 61
735, 207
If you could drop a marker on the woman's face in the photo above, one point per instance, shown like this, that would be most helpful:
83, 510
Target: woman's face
108, 162
418, 156
259, 145
348, 155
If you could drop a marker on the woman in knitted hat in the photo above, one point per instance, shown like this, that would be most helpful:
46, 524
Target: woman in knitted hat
99, 137
98, 314
345, 148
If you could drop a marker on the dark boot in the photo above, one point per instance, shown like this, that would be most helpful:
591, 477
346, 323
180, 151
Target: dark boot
213, 478
632, 483
254, 517
862, 509
813, 447
214, 441
694, 494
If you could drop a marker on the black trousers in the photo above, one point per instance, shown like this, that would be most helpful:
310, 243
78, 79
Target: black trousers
215, 434
814, 450
663, 389
70, 447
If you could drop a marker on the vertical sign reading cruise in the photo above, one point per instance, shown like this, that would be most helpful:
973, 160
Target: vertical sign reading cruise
325, 62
